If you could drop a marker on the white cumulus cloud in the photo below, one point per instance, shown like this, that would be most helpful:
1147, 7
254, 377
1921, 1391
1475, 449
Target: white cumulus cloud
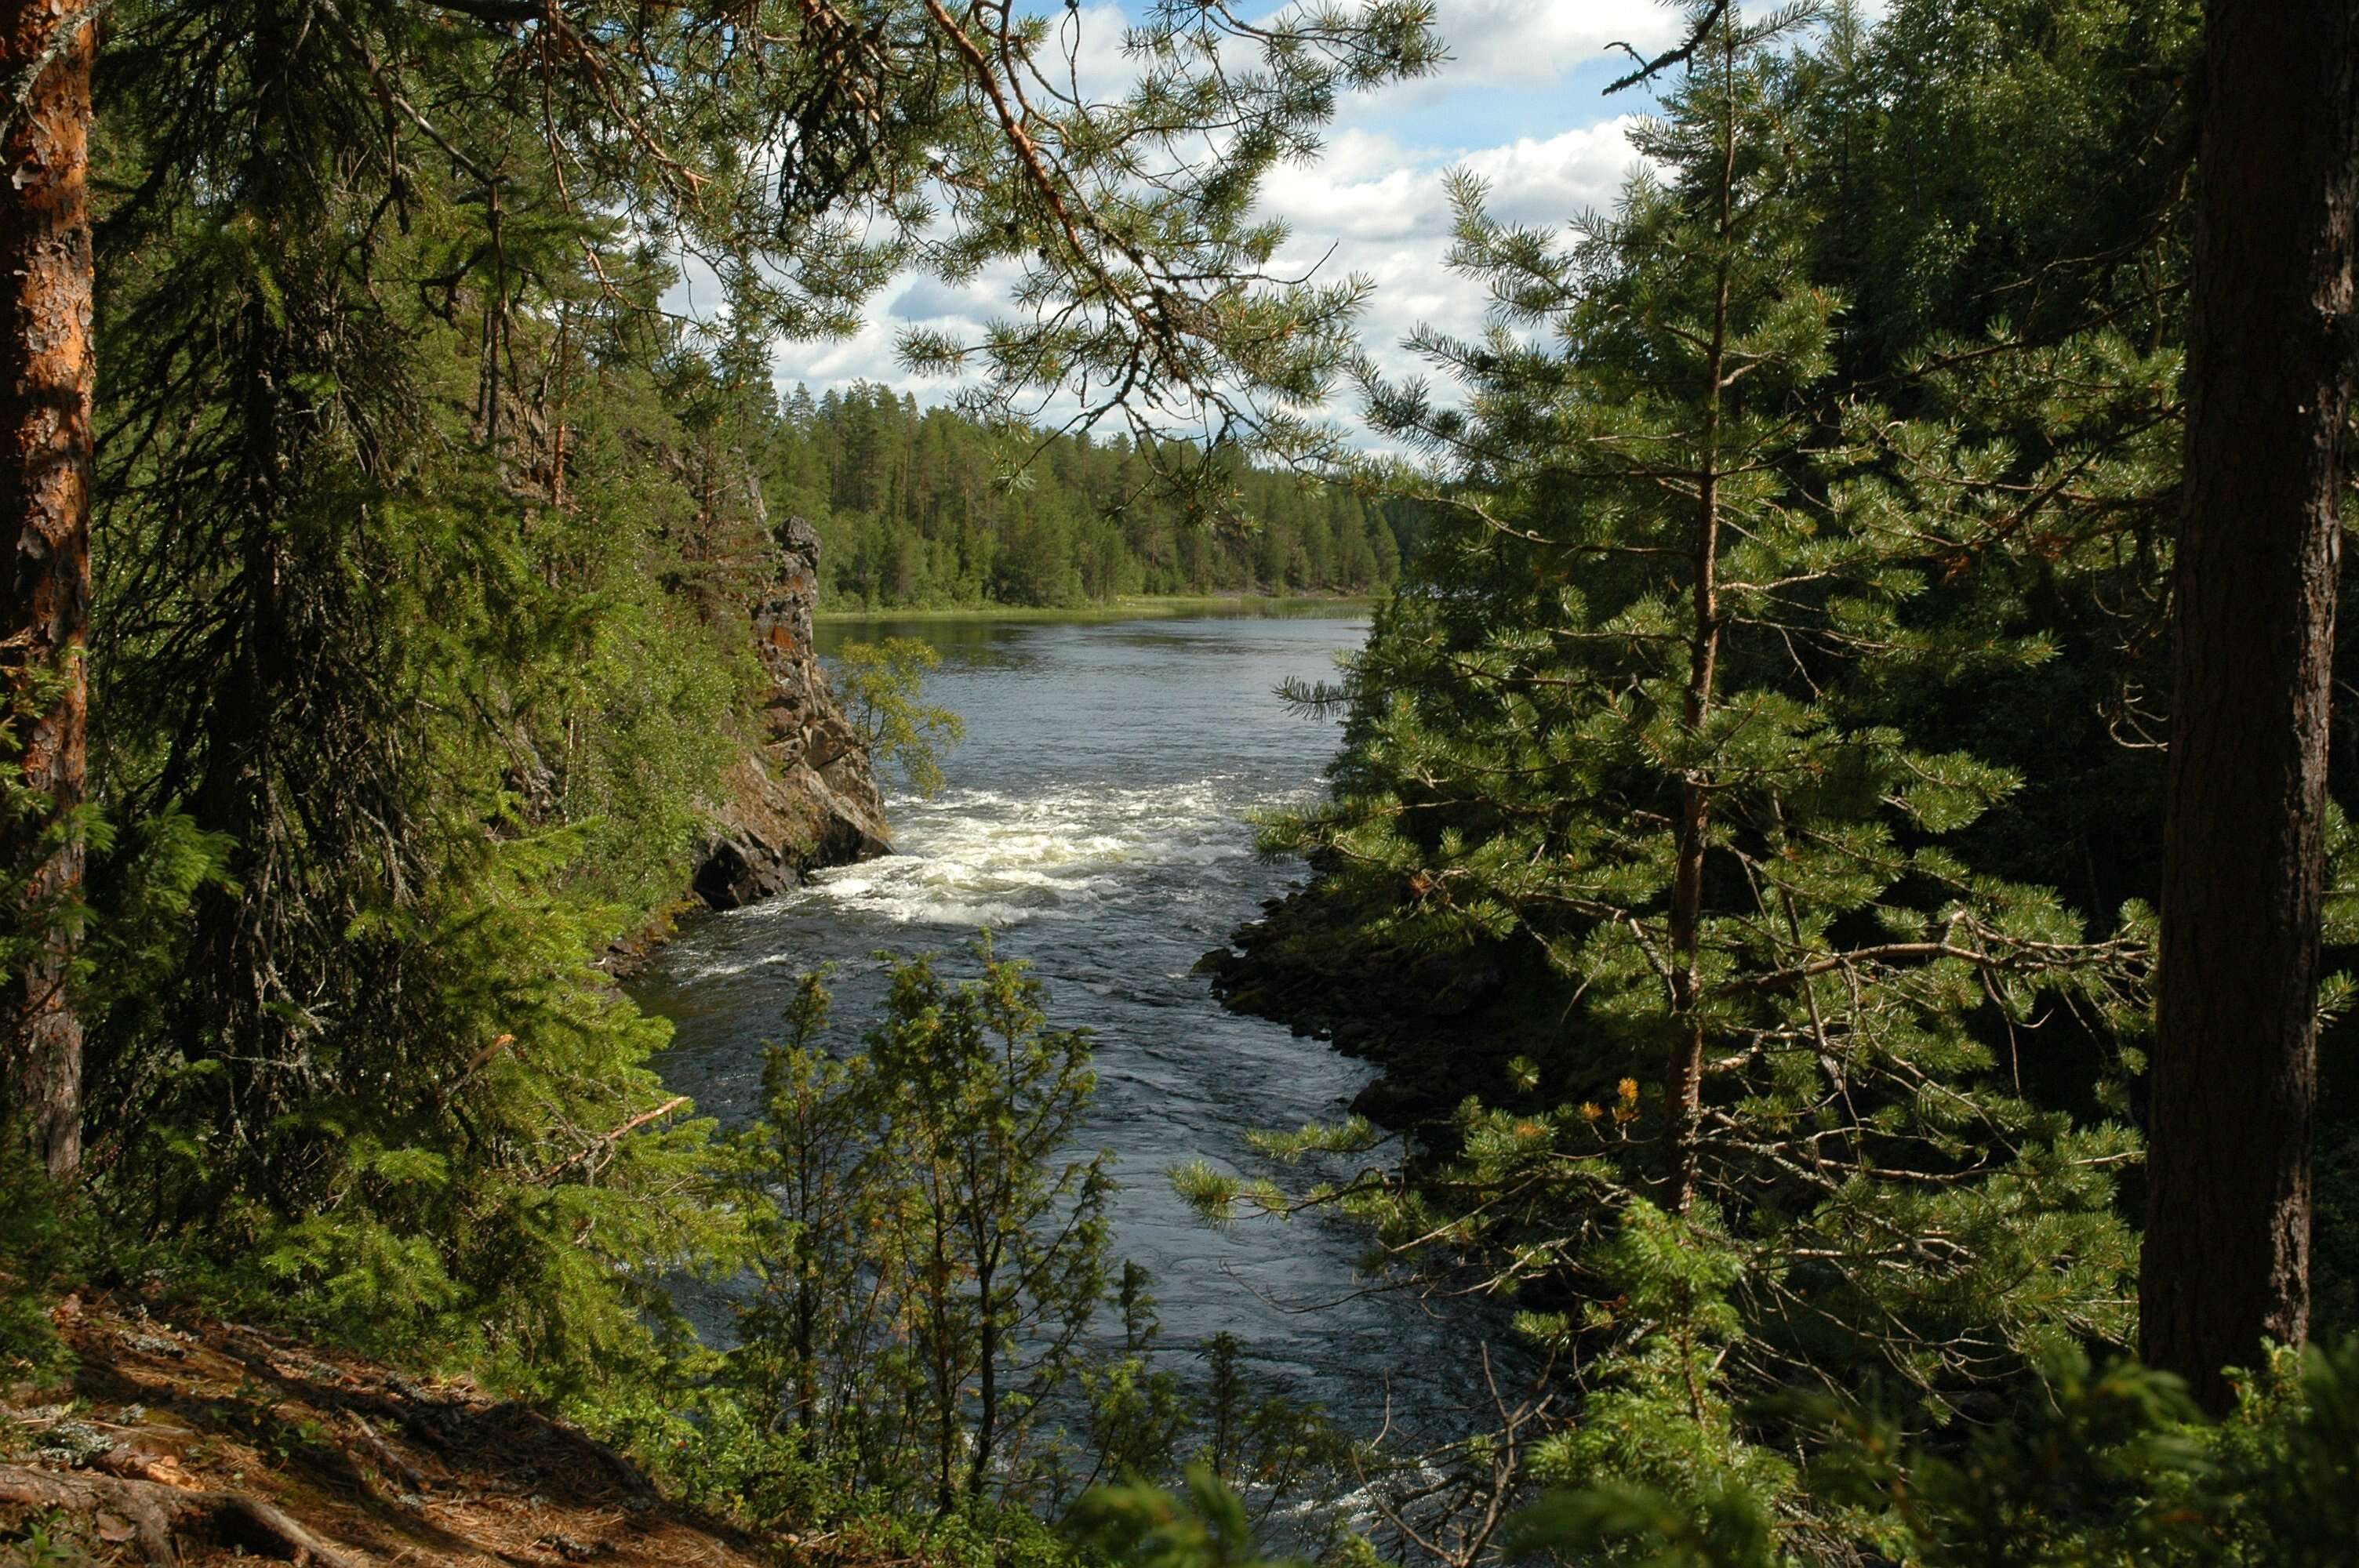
1377, 209
1541, 181
1539, 41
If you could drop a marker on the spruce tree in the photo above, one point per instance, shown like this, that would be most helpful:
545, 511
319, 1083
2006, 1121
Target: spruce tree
305, 207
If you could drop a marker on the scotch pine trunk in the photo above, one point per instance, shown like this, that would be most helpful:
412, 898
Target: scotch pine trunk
1683, 1072
2268, 387
46, 380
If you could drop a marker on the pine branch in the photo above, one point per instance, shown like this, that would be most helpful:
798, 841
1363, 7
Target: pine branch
1647, 69
609, 1140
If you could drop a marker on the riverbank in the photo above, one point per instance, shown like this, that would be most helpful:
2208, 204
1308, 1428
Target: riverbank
1436, 1027
1129, 607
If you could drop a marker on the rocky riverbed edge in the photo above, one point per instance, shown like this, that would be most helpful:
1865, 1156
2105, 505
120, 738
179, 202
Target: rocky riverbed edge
1437, 1026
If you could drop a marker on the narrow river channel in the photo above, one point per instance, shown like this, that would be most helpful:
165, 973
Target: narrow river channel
1097, 819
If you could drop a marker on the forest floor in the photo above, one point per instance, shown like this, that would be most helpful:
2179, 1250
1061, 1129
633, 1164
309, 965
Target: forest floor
190, 1443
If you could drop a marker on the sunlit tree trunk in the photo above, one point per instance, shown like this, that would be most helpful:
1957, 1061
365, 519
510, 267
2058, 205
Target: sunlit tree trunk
46, 382
2268, 389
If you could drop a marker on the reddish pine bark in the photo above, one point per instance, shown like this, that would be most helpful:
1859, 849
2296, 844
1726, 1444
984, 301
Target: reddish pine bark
2268, 387
45, 410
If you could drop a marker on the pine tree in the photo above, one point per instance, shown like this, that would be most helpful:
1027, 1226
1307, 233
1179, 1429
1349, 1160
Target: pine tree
1632, 717
934, 1248
46, 377
2228, 1221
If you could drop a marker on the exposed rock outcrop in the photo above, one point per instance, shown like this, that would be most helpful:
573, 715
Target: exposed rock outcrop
807, 798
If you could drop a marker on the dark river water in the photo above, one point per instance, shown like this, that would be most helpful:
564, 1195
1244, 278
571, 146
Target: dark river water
1097, 819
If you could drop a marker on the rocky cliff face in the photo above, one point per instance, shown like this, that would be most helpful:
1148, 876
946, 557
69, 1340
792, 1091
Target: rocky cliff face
807, 798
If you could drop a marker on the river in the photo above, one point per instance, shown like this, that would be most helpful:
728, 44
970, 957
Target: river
1097, 819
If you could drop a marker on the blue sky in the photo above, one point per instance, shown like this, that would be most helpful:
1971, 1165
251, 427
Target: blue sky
1520, 103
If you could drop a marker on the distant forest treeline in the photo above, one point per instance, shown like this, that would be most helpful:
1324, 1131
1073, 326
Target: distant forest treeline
917, 509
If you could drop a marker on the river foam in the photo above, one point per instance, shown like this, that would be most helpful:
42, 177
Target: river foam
975, 857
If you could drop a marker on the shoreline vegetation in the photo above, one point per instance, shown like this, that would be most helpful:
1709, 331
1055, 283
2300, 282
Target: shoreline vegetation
1127, 607
929, 508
